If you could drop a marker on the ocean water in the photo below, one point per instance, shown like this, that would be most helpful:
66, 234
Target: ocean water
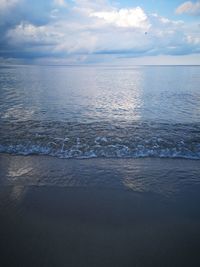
100, 111
103, 211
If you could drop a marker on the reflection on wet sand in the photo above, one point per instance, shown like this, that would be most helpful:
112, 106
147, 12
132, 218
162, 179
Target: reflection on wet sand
161, 176
17, 192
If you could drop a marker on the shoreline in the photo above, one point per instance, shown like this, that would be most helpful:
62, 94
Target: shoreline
2, 154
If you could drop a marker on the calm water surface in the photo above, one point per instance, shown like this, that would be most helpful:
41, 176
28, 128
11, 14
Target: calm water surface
81, 112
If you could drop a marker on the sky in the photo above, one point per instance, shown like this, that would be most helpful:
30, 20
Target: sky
100, 31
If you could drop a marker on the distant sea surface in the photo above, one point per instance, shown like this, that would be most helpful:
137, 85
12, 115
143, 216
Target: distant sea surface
100, 111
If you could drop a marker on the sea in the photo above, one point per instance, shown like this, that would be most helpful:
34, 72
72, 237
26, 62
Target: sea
100, 111
99, 166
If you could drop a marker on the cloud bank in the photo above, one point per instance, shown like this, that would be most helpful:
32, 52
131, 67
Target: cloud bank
81, 31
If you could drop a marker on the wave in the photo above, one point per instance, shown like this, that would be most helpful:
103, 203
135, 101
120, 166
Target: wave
97, 140
105, 152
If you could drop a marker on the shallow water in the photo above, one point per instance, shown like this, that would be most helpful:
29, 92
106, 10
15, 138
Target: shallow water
167, 177
83, 112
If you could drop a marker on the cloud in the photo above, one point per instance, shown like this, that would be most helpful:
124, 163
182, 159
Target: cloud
6, 4
88, 36
87, 30
53, 39
133, 17
60, 3
193, 40
29, 33
189, 8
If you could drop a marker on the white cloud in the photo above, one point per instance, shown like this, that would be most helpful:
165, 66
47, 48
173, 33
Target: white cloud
25, 32
133, 18
54, 39
85, 44
28, 33
189, 7
6, 4
193, 40
60, 3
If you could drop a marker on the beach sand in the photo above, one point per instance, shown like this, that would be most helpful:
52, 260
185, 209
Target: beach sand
99, 212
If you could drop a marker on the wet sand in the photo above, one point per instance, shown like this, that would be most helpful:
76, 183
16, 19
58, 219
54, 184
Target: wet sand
49, 218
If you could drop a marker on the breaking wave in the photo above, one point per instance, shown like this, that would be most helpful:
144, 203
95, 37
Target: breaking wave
76, 140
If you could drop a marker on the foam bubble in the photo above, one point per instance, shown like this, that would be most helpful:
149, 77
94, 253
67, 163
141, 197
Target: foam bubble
70, 140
